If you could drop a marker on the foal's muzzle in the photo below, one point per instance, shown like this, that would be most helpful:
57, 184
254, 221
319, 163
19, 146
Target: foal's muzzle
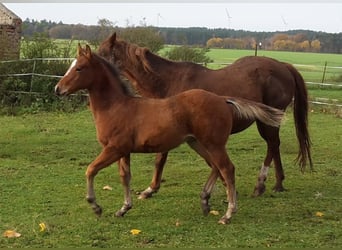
58, 91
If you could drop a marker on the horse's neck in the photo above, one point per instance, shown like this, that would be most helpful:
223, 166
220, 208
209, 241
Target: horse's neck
151, 81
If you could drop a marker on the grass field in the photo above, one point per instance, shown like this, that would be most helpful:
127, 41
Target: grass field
310, 65
43, 158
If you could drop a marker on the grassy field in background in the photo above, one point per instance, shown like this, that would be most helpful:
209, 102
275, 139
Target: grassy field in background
310, 65
230, 55
43, 158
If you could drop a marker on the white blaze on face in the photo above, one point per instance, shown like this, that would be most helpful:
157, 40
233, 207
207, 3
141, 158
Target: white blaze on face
73, 64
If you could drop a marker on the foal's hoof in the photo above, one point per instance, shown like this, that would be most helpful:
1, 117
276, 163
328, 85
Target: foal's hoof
259, 190
145, 195
224, 220
278, 188
120, 213
97, 210
123, 210
205, 210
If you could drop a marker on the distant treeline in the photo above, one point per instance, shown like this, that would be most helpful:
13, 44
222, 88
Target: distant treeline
293, 40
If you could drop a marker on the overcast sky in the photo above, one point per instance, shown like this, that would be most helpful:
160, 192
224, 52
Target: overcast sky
246, 15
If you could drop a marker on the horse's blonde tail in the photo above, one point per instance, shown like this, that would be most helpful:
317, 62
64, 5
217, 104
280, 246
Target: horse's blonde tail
250, 110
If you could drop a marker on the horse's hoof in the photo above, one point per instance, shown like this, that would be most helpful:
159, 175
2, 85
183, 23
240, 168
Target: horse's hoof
205, 209
224, 220
98, 211
123, 210
120, 213
145, 195
259, 190
279, 188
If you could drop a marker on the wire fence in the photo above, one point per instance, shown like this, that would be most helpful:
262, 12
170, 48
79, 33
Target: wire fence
324, 70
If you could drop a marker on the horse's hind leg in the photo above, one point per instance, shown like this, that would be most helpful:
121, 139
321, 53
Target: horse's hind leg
125, 176
271, 136
106, 158
157, 176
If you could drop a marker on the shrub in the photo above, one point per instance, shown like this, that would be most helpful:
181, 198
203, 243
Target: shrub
29, 84
188, 54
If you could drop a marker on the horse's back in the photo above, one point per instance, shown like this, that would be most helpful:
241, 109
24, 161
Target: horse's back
260, 79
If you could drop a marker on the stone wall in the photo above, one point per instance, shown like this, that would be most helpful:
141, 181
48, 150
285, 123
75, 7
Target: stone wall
10, 34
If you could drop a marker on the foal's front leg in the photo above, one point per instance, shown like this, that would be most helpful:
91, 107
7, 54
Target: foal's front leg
106, 157
125, 176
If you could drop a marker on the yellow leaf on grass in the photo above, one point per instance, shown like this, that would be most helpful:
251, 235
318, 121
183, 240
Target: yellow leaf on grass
42, 227
319, 214
214, 212
11, 234
107, 188
135, 231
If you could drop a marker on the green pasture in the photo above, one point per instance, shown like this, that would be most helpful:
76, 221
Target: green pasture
310, 65
43, 158
230, 55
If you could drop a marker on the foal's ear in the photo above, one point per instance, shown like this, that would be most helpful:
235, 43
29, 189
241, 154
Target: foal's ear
79, 49
113, 38
88, 51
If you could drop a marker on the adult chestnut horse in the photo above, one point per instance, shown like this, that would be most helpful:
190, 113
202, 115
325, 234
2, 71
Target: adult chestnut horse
126, 124
259, 79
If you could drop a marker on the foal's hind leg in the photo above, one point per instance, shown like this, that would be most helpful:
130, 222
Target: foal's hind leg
106, 157
209, 185
271, 136
221, 161
157, 176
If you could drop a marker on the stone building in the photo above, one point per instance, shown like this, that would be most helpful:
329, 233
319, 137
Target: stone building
10, 34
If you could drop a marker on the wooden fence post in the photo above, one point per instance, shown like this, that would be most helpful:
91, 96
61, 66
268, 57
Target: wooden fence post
324, 70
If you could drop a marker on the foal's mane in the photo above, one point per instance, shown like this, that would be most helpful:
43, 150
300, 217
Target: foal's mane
127, 89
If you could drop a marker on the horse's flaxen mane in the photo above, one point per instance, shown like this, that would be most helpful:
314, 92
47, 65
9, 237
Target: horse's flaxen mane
128, 90
138, 56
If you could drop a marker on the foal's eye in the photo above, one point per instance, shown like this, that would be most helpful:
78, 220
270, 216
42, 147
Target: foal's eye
78, 69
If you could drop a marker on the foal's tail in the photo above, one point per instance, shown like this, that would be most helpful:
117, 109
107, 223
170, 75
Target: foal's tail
300, 112
250, 110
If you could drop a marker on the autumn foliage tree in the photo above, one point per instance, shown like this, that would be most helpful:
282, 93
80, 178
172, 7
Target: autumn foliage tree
297, 42
279, 41
231, 43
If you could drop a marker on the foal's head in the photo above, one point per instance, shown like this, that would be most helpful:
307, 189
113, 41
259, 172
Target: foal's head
91, 72
80, 75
